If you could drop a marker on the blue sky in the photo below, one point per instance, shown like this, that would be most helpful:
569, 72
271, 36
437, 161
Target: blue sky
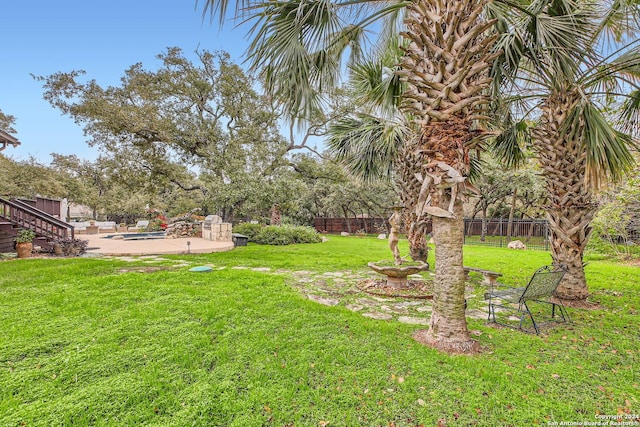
103, 38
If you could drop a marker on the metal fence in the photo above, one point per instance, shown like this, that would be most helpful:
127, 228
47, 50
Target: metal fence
535, 234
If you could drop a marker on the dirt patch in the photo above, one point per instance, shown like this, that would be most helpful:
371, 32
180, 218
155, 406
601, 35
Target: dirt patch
583, 304
468, 347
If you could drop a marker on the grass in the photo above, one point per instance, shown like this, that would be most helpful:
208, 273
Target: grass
102, 342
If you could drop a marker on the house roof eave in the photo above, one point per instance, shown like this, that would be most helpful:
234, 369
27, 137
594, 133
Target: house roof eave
6, 139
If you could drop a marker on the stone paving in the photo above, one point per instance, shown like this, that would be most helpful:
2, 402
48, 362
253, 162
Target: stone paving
340, 288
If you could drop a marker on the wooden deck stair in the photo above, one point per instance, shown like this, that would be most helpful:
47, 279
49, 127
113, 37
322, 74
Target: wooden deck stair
15, 215
6, 226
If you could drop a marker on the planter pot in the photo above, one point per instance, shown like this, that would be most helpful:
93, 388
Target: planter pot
24, 249
57, 250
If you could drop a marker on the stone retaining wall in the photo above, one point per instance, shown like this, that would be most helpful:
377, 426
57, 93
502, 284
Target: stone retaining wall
183, 229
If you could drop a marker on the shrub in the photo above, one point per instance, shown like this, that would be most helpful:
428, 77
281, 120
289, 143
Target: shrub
158, 223
273, 235
248, 229
611, 231
72, 247
277, 235
25, 236
286, 235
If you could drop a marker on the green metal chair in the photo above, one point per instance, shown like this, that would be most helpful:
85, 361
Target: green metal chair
540, 289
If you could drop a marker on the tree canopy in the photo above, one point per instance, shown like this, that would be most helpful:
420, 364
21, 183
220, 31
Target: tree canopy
180, 121
6, 122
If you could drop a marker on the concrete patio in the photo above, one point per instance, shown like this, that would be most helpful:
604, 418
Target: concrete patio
98, 245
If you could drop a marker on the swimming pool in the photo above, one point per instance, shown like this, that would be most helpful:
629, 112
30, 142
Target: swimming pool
139, 236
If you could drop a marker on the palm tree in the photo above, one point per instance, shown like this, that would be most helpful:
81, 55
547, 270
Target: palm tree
571, 81
373, 142
297, 46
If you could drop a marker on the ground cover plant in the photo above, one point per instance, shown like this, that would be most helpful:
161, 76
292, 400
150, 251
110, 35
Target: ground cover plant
145, 341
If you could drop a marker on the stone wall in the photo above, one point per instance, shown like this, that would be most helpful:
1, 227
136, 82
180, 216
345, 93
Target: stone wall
218, 233
183, 229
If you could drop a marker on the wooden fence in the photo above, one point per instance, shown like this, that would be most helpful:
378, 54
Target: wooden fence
351, 225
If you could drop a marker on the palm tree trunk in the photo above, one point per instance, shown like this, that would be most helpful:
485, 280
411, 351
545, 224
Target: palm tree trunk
485, 229
448, 325
406, 171
417, 238
514, 198
276, 215
570, 235
445, 68
571, 209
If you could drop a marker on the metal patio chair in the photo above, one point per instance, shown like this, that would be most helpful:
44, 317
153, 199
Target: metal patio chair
540, 289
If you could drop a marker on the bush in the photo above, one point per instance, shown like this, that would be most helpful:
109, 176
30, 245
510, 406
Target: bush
611, 231
158, 223
25, 236
277, 235
286, 235
248, 229
273, 235
72, 247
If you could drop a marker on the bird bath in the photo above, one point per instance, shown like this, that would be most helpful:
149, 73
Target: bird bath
397, 274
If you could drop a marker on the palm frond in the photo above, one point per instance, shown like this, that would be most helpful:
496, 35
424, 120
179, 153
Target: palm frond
475, 168
510, 145
215, 8
299, 47
607, 150
557, 37
289, 49
367, 146
281, 26
392, 26
620, 66
376, 83
621, 18
349, 38
629, 119
505, 68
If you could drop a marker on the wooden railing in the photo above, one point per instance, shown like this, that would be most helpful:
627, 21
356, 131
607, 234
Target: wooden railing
26, 216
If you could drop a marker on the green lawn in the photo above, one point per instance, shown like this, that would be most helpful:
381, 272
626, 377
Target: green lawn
105, 342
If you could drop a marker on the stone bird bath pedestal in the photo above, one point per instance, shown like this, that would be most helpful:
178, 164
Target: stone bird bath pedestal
397, 273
